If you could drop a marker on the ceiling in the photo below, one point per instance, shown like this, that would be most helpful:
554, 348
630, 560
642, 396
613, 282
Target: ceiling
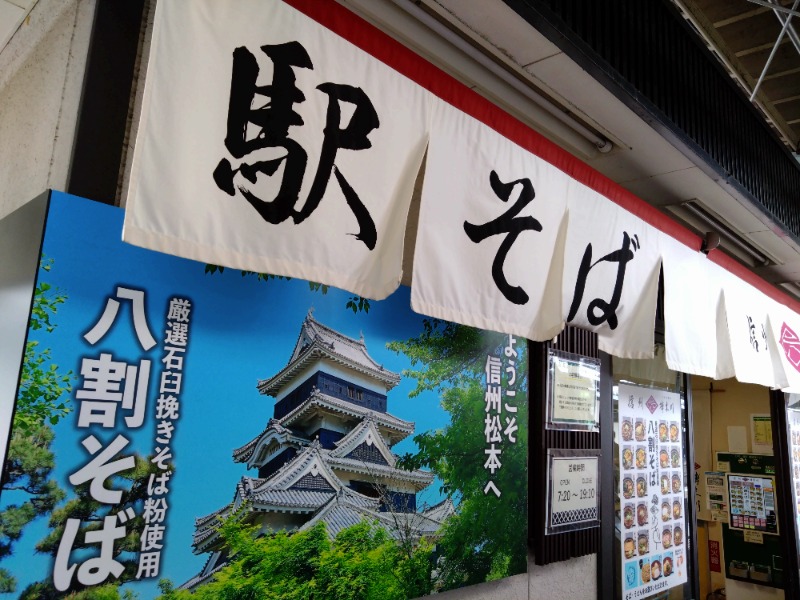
12, 14
747, 36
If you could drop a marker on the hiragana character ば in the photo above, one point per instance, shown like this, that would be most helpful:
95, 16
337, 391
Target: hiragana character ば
157, 483
607, 310
93, 570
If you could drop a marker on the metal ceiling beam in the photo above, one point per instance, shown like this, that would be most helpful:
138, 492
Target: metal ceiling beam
784, 21
730, 60
786, 25
783, 9
740, 17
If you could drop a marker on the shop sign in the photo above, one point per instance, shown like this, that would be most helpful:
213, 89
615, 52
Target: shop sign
572, 391
314, 129
651, 492
574, 497
753, 537
761, 434
714, 558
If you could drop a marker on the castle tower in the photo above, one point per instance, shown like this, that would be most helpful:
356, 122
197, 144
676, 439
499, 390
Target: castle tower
325, 455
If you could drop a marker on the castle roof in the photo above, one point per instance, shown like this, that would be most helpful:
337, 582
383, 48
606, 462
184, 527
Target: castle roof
345, 510
273, 431
306, 483
419, 479
440, 512
395, 428
318, 341
202, 577
366, 433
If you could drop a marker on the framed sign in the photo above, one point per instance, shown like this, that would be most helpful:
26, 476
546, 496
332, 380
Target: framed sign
572, 391
574, 490
652, 491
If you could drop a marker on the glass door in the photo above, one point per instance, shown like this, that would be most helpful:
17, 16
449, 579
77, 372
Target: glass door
654, 507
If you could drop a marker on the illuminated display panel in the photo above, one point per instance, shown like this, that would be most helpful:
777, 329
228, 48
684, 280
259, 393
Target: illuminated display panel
752, 503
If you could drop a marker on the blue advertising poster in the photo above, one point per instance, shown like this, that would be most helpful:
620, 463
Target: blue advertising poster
182, 430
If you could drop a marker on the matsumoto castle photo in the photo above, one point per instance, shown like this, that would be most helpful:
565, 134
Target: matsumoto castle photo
325, 456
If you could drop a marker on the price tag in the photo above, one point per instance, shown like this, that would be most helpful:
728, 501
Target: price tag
574, 487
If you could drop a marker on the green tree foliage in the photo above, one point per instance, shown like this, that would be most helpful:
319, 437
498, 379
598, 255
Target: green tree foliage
40, 591
486, 539
133, 483
42, 385
362, 563
354, 303
28, 491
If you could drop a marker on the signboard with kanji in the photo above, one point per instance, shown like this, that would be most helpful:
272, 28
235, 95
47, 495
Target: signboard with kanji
171, 417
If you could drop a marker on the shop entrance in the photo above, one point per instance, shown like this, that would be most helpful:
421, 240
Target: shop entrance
744, 522
654, 543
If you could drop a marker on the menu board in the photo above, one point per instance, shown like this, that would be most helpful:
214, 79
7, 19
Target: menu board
793, 417
752, 501
651, 491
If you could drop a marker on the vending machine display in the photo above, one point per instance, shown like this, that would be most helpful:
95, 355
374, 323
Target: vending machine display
752, 503
750, 539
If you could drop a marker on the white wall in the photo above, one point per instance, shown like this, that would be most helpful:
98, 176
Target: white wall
20, 234
41, 76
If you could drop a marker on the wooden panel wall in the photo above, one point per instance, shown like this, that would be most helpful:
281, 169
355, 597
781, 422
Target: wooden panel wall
563, 546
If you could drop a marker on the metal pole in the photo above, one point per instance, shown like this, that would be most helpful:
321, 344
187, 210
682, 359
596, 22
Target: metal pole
783, 9
790, 30
774, 49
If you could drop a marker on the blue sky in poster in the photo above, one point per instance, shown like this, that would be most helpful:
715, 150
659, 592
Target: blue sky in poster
241, 330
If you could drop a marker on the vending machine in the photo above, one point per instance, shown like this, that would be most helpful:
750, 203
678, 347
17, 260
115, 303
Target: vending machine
750, 537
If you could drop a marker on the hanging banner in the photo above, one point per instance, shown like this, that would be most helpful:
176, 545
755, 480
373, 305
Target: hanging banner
270, 143
785, 350
694, 313
610, 282
490, 240
651, 491
746, 312
299, 158
165, 408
